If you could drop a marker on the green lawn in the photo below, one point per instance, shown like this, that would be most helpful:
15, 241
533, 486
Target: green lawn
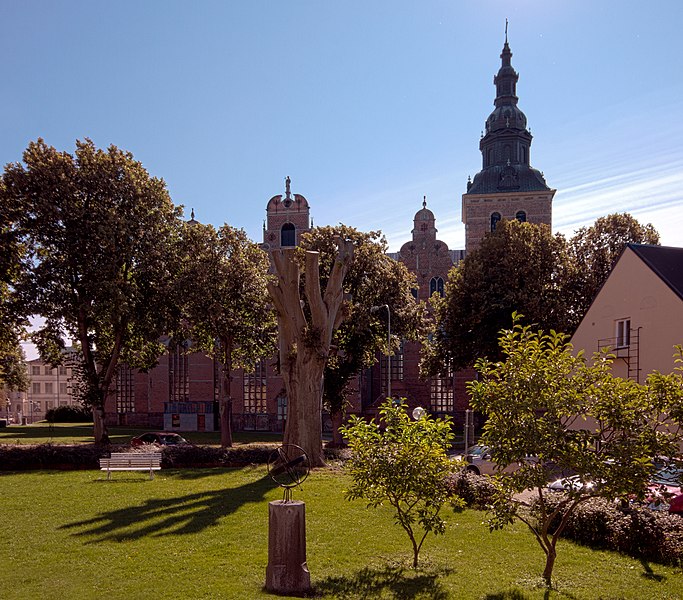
82, 433
202, 534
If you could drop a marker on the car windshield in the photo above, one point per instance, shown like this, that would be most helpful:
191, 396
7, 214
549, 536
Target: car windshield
478, 450
172, 439
668, 476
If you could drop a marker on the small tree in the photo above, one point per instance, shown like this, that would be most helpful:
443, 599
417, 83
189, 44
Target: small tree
221, 289
404, 464
574, 416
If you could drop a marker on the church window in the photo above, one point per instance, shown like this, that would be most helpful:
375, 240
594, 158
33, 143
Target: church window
396, 365
413, 291
523, 155
254, 387
495, 218
125, 389
178, 375
489, 157
287, 235
436, 286
282, 406
441, 393
521, 216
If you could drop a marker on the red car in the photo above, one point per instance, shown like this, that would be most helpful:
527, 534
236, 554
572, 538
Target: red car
160, 438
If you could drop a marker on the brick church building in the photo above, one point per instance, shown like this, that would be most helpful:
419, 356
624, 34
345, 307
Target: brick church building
181, 392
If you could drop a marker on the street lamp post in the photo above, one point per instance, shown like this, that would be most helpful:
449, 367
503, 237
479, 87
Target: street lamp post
377, 309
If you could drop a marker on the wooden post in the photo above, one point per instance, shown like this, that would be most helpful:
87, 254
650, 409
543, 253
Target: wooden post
287, 572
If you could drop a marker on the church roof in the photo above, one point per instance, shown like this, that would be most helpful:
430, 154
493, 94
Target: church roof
665, 261
512, 178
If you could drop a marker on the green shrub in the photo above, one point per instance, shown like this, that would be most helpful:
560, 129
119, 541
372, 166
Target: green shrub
477, 491
633, 530
69, 414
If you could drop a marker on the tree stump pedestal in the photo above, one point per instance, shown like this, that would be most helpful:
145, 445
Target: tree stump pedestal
287, 572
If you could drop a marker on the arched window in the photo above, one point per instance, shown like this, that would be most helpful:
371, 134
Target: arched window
495, 217
521, 216
287, 235
489, 157
436, 286
523, 155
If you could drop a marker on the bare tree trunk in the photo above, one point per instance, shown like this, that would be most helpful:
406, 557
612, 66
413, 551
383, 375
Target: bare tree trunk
225, 411
549, 564
337, 419
225, 400
303, 382
100, 432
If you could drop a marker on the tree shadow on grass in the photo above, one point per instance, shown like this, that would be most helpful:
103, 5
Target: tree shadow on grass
649, 573
183, 515
392, 582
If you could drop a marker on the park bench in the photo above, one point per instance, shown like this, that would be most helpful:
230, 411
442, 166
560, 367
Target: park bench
131, 461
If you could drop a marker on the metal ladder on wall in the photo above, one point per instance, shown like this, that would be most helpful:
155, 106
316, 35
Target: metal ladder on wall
629, 354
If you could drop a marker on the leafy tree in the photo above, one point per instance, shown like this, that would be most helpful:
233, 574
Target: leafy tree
573, 416
518, 267
98, 229
221, 289
593, 252
13, 375
373, 279
405, 464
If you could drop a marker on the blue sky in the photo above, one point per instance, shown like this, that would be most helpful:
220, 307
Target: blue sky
366, 105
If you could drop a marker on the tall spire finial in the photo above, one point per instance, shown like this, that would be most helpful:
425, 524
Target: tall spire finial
424, 201
506, 31
192, 214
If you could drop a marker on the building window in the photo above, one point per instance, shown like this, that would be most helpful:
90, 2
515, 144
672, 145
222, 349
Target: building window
441, 394
35, 388
48, 387
396, 365
48, 370
125, 389
495, 218
35, 370
282, 407
178, 376
255, 389
623, 336
436, 286
62, 371
287, 235
521, 216
63, 390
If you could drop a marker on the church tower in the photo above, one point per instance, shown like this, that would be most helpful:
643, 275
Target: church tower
507, 187
286, 219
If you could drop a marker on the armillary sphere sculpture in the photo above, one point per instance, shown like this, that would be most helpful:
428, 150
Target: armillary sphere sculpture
288, 466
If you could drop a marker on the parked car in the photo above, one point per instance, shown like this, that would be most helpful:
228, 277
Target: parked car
479, 462
161, 438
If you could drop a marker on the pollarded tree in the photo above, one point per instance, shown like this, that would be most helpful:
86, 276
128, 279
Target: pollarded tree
99, 230
573, 416
221, 290
518, 267
306, 324
373, 280
593, 251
